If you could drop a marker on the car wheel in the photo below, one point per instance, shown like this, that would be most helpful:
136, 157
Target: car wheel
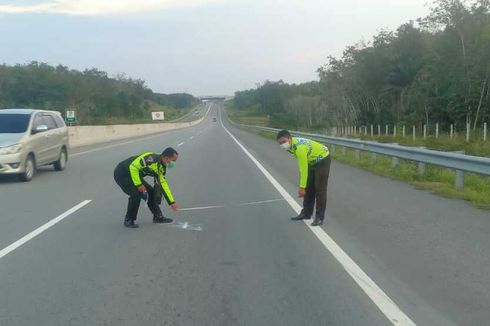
30, 169
60, 165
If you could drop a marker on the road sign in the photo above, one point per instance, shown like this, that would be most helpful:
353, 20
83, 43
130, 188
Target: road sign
70, 116
157, 116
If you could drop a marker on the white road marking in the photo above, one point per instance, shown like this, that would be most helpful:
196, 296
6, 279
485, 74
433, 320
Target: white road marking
181, 144
114, 145
375, 293
262, 202
5, 251
199, 208
126, 142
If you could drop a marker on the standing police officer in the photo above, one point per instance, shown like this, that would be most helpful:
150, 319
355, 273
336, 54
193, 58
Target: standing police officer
129, 175
314, 168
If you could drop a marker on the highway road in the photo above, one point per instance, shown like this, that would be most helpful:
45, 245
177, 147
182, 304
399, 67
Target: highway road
387, 254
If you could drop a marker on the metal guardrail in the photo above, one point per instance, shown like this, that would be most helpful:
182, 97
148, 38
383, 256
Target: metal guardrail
453, 160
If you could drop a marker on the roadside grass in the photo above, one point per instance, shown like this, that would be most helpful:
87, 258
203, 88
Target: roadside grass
170, 114
247, 117
435, 180
476, 147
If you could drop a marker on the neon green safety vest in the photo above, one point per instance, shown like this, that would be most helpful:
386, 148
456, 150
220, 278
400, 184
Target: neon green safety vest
307, 152
150, 164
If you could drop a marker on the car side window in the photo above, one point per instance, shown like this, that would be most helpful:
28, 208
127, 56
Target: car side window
49, 121
59, 121
38, 120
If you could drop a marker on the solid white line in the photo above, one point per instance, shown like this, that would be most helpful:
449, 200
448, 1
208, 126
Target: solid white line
377, 295
126, 142
262, 202
119, 144
181, 144
114, 145
5, 251
199, 208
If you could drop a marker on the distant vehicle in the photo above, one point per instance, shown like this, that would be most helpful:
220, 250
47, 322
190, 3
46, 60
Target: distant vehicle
29, 139
214, 119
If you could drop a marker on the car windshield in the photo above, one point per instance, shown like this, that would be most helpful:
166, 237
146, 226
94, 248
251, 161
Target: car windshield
13, 123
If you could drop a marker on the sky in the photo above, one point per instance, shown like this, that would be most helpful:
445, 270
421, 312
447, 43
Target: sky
203, 47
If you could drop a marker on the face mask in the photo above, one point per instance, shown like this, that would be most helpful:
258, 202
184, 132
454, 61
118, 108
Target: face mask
170, 164
286, 145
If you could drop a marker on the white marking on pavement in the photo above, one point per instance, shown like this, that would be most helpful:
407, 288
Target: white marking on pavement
377, 295
114, 145
181, 144
5, 251
185, 226
262, 202
199, 208
126, 142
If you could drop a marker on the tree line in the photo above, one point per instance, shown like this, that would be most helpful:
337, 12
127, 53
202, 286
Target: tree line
434, 69
92, 92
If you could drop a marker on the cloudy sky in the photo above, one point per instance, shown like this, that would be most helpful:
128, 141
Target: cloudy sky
197, 46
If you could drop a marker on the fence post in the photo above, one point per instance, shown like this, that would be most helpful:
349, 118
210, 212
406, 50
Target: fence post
394, 131
437, 129
394, 161
485, 131
413, 132
358, 154
371, 130
425, 131
459, 181
451, 133
421, 168
386, 130
374, 157
379, 130
365, 131
403, 131
468, 132
459, 176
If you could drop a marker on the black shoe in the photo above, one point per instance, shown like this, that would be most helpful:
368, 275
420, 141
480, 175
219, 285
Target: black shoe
131, 224
300, 217
317, 222
162, 219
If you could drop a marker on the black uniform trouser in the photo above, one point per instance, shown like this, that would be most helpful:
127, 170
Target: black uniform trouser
316, 189
123, 179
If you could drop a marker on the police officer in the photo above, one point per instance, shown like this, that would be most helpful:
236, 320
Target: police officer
314, 168
129, 175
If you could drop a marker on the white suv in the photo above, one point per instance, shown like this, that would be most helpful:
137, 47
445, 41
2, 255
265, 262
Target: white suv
31, 138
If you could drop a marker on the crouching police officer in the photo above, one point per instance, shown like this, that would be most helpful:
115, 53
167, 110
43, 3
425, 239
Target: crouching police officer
314, 168
129, 175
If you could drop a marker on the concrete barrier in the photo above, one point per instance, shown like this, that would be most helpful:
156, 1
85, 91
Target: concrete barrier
88, 135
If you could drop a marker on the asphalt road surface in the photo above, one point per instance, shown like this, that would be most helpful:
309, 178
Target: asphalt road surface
404, 256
